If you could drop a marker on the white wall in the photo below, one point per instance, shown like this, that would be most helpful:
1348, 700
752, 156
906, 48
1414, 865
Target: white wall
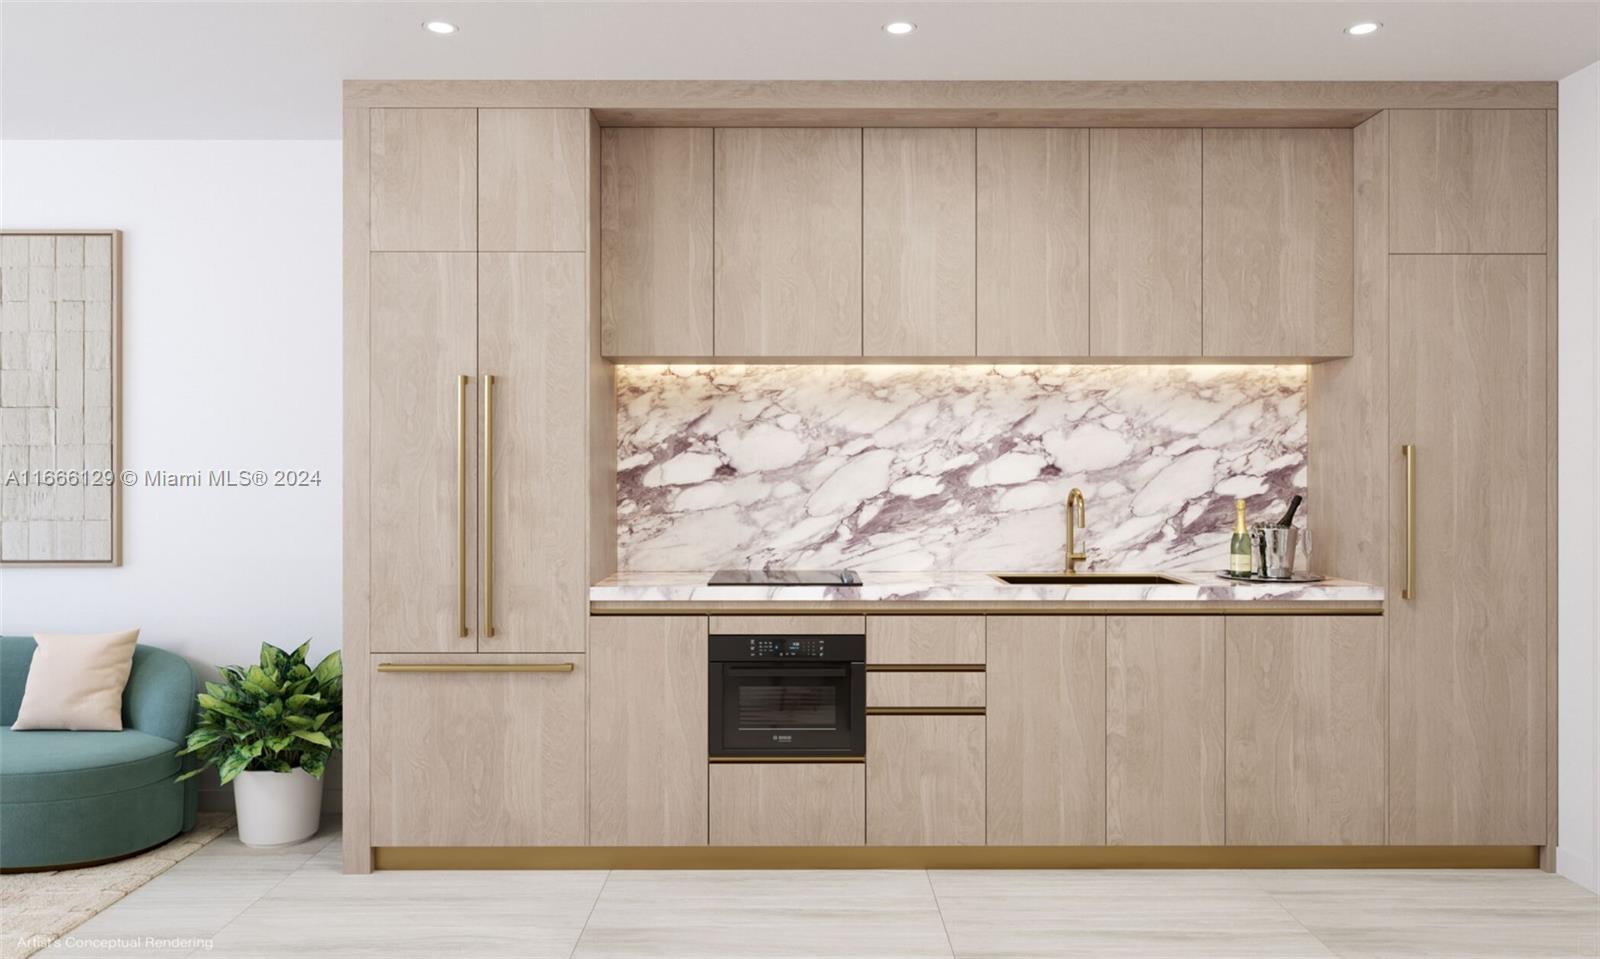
231, 357
1577, 856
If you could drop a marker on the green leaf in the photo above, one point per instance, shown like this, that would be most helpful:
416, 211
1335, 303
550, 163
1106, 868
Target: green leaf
313, 736
331, 668
272, 657
218, 706
232, 767
299, 654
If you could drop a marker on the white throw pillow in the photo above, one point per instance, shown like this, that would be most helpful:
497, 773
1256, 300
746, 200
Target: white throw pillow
76, 682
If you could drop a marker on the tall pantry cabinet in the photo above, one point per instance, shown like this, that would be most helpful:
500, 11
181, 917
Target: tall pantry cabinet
468, 401
1434, 446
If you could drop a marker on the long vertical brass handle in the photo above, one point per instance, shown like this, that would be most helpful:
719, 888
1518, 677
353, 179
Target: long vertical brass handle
488, 504
1410, 453
461, 503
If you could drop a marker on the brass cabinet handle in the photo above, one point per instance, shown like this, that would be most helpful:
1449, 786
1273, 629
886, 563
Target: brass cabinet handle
476, 667
461, 503
1409, 451
488, 505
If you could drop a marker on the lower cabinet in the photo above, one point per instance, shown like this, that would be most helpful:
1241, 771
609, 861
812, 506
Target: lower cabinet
1046, 730
1164, 730
925, 780
493, 756
647, 730
1306, 730
788, 804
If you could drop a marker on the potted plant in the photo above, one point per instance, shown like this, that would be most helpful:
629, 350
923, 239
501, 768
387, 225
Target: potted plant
269, 729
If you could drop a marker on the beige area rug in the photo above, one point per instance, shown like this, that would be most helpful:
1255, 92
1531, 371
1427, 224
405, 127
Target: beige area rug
41, 907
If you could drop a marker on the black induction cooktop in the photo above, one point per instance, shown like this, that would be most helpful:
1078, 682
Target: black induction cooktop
785, 577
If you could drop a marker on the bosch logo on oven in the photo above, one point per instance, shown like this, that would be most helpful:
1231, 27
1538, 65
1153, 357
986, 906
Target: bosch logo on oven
782, 739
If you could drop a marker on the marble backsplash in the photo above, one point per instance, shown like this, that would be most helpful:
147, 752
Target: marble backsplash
882, 467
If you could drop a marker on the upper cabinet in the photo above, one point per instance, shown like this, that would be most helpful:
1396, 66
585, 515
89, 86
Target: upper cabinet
533, 180
1033, 242
424, 184
655, 241
787, 246
1278, 247
1144, 243
919, 242
1467, 181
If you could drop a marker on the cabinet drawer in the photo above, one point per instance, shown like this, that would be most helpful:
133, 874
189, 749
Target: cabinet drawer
788, 804
934, 640
918, 689
779, 625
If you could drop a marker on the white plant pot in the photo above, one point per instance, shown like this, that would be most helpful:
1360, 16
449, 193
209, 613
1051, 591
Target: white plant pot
276, 809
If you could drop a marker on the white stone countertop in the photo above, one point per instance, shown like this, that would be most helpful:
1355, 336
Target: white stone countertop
886, 590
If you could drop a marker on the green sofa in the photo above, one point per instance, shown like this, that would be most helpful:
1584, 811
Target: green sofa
72, 798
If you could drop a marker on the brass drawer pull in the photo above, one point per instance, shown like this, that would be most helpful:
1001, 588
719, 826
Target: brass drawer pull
925, 667
787, 759
488, 504
1409, 451
461, 503
925, 710
476, 667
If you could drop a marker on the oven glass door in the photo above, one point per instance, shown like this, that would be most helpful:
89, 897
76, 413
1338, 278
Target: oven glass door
787, 708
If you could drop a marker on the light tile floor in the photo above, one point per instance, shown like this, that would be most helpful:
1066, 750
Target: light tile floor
229, 901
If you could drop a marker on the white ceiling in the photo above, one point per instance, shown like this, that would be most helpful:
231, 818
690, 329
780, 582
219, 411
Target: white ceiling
273, 69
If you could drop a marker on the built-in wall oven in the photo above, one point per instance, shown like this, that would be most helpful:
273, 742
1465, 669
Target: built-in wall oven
790, 696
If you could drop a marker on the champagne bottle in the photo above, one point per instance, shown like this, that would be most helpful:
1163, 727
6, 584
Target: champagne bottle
1239, 548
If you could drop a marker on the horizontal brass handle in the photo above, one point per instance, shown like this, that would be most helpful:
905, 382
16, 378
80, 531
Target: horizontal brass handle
476, 667
788, 759
925, 667
925, 710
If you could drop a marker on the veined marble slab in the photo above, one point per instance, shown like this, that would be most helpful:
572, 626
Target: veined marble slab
949, 467
974, 587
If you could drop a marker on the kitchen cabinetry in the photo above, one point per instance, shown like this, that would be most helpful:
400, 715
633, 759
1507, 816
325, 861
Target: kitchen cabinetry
655, 242
1468, 181
1164, 730
925, 780
533, 180
533, 352
424, 507
918, 236
788, 804
1046, 730
1305, 730
424, 180
492, 756
1144, 243
1278, 243
648, 689
1467, 631
787, 246
925, 640
1033, 243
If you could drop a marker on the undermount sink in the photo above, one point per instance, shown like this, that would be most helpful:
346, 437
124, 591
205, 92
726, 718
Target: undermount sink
1087, 579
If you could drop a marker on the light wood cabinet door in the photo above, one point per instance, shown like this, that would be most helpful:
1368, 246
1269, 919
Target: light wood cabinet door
1046, 730
1033, 243
919, 236
655, 241
1305, 730
788, 804
423, 309
787, 245
533, 180
424, 183
648, 689
533, 340
1468, 181
925, 780
1144, 243
1467, 710
925, 640
1164, 730
1279, 248
477, 758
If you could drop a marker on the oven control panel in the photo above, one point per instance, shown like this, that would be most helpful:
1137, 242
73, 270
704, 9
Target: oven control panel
833, 649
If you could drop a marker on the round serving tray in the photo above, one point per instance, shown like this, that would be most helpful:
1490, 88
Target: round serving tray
1260, 578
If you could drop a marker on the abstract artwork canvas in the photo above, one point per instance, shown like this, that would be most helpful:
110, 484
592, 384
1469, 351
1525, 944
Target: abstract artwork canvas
60, 321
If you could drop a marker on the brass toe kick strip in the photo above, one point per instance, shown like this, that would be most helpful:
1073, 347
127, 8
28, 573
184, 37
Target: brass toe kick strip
925, 711
957, 857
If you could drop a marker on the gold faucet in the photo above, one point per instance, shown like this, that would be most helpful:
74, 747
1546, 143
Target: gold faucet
1075, 554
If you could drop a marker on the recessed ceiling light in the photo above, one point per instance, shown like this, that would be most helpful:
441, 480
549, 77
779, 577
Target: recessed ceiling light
441, 27
899, 28
1362, 29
